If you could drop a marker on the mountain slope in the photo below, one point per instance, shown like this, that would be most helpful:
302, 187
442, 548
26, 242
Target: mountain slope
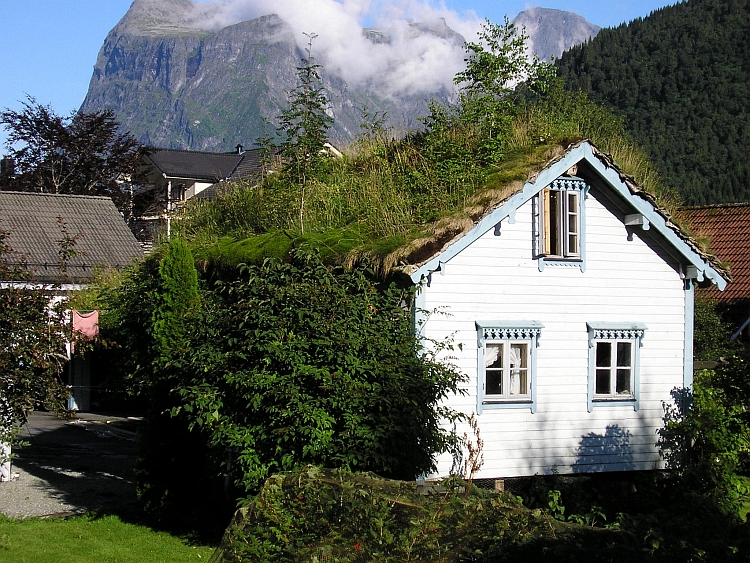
681, 80
551, 32
177, 77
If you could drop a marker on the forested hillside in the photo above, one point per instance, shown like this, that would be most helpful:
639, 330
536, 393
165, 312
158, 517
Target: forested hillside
681, 80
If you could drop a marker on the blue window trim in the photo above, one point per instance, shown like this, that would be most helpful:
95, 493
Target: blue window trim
687, 373
563, 183
610, 331
487, 331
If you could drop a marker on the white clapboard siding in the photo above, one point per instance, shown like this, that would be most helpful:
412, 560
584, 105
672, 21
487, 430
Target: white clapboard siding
496, 278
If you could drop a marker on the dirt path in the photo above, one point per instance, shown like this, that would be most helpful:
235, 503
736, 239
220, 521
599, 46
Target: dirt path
72, 467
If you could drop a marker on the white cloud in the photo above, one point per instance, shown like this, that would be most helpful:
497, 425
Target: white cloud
411, 62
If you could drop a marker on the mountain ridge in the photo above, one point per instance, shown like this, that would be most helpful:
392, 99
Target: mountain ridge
174, 83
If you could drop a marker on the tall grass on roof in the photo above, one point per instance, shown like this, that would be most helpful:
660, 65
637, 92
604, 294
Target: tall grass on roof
385, 197
397, 200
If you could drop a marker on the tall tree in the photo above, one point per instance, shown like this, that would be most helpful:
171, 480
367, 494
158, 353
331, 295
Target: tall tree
304, 125
84, 153
495, 66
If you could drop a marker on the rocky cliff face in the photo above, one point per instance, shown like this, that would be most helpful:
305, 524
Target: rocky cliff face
551, 32
174, 84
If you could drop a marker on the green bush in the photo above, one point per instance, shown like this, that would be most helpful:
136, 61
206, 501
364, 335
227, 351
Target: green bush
312, 364
706, 434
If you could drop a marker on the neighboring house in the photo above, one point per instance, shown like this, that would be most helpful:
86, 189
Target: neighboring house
728, 227
570, 306
90, 227
175, 176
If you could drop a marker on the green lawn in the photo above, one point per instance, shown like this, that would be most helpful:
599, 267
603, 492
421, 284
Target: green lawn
91, 540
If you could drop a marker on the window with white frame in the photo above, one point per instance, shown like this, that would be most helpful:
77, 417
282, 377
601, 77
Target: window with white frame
614, 362
561, 219
506, 369
507, 364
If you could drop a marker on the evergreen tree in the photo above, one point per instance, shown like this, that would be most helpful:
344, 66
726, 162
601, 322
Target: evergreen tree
680, 79
304, 126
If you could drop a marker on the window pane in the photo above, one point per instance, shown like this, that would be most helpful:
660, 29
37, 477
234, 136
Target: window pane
518, 353
602, 382
603, 354
494, 382
518, 369
623, 382
572, 244
554, 222
493, 356
624, 356
493, 360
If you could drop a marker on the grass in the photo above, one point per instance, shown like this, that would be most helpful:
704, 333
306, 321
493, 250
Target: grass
395, 200
90, 539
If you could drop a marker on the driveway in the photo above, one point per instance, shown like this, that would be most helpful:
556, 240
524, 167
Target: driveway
72, 467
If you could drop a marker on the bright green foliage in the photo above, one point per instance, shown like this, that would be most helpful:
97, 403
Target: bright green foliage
150, 321
707, 435
125, 321
389, 193
88, 539
336, 516
494, 68
176, 300
304, 126
315, 365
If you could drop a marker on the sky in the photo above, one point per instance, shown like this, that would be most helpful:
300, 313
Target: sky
49, 47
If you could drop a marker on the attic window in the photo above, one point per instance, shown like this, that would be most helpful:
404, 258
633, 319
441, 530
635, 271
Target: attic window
561, 224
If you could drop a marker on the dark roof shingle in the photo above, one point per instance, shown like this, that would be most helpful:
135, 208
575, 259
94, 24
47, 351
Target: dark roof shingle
35, 223
208, 166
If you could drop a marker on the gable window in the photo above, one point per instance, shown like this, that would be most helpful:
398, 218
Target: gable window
614, 358
561, 225
561, 210
507, 364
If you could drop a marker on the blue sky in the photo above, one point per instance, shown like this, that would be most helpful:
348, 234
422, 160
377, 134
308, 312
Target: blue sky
49, 47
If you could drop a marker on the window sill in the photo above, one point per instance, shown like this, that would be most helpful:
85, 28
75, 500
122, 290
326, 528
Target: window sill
557, 261
625, 402
508, 404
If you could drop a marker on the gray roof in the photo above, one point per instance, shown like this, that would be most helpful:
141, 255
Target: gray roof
33, 221
205, 165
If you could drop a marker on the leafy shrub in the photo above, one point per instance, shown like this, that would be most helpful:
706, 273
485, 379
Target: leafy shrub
340, 517
315, 365
706, 434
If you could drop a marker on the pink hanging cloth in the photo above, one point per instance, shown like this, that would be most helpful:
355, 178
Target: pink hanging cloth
85, 325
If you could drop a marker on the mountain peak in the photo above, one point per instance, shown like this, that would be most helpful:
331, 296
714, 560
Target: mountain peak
553, 31
159, 18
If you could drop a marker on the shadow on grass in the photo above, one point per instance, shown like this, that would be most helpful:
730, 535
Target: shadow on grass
89, 468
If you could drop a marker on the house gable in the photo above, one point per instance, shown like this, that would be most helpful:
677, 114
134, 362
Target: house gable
602, 174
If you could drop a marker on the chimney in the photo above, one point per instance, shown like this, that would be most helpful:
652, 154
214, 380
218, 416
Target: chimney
7, 166
240, 149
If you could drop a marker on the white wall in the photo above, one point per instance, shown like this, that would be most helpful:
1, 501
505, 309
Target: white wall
495, 278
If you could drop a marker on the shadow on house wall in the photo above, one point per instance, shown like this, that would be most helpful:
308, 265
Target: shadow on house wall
606, 452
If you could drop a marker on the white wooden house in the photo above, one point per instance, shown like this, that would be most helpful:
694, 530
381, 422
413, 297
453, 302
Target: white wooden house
572, 303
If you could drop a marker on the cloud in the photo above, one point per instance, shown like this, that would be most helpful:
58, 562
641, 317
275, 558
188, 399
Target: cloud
420, 49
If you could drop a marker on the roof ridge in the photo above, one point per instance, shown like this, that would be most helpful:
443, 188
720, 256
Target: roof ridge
717, 205
223, 153
76, 196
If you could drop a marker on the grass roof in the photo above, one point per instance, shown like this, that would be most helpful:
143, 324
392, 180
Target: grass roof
397, 203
